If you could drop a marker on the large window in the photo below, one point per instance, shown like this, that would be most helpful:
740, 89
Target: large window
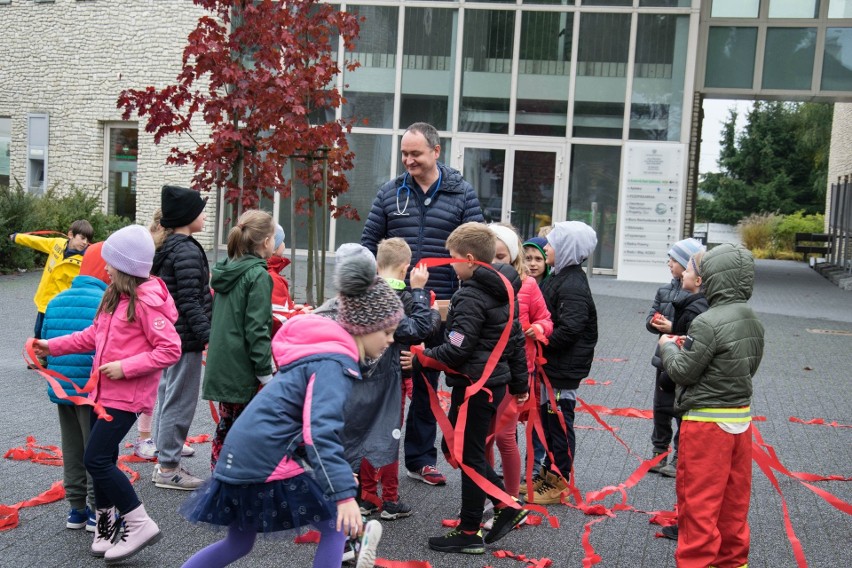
601, 75
837, 60
487, 71
656, 105
593, 195
788, 61
5, 149
428, 66
369, 90
730, 57
122, 153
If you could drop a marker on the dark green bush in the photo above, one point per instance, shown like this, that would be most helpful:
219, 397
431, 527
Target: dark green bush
21, 212
798, 222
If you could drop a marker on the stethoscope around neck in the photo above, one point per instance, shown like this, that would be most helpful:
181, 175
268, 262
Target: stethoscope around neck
426, 202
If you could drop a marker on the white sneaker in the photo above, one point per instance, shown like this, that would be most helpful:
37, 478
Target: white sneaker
145, 449
369, 545
187, 451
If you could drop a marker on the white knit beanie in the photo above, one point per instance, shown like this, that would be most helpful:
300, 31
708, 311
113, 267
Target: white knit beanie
130, 250
508, 238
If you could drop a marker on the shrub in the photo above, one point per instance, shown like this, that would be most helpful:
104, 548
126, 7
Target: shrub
757, 231
55, 211
798, 222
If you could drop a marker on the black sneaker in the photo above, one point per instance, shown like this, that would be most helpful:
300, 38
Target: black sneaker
458, 541
368, 508
393, 510
505, 520
669, 532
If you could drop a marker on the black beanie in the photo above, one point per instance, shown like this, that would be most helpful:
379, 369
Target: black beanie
180, 206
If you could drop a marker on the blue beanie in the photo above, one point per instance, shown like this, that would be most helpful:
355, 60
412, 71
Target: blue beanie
279, 236
681, 251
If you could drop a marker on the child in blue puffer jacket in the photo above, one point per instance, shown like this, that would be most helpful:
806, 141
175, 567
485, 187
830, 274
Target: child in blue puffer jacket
73, 310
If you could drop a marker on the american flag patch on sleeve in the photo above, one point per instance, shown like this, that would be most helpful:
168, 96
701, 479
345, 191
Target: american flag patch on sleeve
456, 338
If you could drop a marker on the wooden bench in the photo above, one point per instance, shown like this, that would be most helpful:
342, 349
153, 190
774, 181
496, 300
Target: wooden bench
813, 243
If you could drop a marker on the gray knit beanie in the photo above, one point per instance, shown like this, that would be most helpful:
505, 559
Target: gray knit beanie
130, 250
365, 302
681, 251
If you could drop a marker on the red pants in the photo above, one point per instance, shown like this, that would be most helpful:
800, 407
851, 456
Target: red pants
713, 491
507, 444
388, 475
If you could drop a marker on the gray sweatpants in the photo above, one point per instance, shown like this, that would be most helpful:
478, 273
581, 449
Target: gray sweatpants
177, 398
74, 426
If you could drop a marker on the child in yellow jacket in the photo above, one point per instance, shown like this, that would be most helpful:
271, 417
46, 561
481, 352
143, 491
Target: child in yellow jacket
63, 262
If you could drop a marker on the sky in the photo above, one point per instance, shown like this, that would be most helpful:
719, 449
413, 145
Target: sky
715, 114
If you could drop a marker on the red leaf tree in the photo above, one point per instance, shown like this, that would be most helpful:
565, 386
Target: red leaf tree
261, 74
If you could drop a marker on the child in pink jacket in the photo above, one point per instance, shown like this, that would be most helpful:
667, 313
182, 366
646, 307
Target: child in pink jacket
134, 339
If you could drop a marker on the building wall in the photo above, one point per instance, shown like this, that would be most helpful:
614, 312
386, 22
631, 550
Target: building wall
840, 155
71, 59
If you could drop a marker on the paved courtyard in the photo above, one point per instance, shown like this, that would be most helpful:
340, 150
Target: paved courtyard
805, 374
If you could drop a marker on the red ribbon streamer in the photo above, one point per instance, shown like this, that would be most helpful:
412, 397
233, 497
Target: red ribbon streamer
51, 455
819, 422
52, 377
9, 517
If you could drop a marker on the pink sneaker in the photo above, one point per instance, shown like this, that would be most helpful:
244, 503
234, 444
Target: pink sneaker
429, 475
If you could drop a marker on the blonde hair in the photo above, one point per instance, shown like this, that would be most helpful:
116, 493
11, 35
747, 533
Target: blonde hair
252, 228
158, 232
518, 264
392, 253
475, 239
695, 261
544, 230
123, 284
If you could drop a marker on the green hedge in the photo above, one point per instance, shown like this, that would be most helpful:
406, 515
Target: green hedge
770, 235
22, 212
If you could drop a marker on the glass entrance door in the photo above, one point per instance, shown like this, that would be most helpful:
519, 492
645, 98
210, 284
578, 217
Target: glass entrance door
517, 185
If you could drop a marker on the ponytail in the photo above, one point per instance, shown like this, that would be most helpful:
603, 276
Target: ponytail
252, 228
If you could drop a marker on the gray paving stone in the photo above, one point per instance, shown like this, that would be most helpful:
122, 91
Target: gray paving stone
803, 374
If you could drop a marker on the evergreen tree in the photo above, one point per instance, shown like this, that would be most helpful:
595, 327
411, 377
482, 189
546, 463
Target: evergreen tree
778, 164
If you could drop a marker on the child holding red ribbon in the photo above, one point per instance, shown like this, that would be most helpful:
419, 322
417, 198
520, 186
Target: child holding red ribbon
134, 339
73, 310
659, 320
536, 325
713, 371
478, 314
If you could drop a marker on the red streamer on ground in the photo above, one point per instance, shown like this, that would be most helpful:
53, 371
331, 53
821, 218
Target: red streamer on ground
819, 422
385, 563
51, 455
591, 557
200, 439
530, 562
310, 537
593, 382
626, 412
9, 517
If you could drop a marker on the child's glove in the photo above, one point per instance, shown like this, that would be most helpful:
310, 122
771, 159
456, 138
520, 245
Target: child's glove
12, 237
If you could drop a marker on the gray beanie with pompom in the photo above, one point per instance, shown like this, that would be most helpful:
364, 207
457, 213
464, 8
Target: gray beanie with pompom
365, 302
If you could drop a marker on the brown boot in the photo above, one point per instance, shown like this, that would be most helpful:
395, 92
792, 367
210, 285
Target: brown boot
550, 479
537, 480
551, 491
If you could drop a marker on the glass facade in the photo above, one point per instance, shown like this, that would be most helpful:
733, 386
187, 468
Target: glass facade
5, 149
836, 62
788, 61
736, 8
122, 152
730, 57
794, 8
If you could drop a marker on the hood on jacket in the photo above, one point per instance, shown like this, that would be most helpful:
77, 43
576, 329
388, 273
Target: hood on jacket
311, 335
488, 280
277, 263
154, 293
227, 273
85, 281
573, 242
727, 273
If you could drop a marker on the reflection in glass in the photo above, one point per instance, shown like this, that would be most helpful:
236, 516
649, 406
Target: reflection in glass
837, 61
487, 71
370, 88
788, 61
793, 8
730, 57
656, 105
601, 75
840, 9
483, 169
532, 191
5, 149
371, 171
123, 153
544, 73
428, 66
594, 180
665, 3
735, 8
607, 2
